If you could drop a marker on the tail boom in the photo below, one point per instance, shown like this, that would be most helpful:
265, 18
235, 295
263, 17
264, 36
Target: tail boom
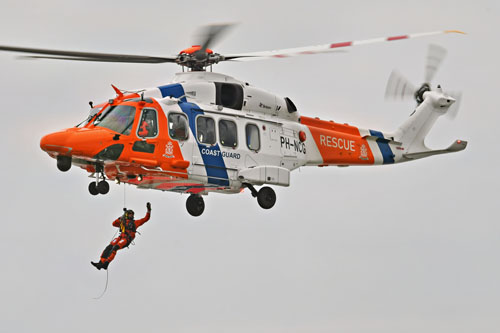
343, 145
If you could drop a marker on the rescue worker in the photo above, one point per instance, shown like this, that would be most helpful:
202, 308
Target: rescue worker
144, 129
128, 227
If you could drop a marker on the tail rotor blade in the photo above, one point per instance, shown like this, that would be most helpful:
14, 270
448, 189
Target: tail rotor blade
399, 87
453, 110
435, 56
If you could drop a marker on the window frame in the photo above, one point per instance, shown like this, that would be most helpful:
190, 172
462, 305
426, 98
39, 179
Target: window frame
236, 134
215, 130
139, 124
246, 137
187, 123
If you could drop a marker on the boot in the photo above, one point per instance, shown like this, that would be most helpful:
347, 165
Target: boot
98, 265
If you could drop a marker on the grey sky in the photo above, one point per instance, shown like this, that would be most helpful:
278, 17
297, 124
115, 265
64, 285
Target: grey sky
404, 248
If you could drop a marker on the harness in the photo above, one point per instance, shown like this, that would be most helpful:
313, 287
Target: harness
127, 225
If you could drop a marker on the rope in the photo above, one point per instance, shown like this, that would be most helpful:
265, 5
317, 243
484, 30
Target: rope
105, 287
124, 196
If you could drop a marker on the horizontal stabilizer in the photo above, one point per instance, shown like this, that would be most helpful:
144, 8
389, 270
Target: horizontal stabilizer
458, 145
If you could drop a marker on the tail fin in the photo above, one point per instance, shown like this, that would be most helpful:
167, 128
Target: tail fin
412, 132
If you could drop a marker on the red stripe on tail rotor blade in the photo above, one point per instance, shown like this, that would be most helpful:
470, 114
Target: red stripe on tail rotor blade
332, 46
397, 37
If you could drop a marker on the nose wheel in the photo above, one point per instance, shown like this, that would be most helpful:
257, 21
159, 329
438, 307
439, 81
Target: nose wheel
195, 205
100, 185
63, 163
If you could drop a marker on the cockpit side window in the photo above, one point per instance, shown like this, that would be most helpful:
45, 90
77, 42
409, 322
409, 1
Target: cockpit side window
227, 133
253, 137
205, 130
119, 118
148, 125
178, 127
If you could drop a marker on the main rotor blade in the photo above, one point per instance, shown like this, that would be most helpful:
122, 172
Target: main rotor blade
326, 48
435, 56
88, 56
207, 36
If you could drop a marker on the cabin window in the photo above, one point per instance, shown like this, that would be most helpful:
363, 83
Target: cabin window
148, 125
178, 126
205, 130
253, 137
227, 133
119, 118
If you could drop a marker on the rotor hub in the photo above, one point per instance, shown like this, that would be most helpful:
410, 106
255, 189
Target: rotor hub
198, 59
419, 94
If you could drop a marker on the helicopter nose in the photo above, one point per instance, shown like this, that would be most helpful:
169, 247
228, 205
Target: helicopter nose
56, 142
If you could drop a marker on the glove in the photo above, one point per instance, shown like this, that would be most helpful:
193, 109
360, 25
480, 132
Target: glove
148, 206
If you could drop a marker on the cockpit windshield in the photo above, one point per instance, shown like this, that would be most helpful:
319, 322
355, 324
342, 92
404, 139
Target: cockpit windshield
118, 118
92, 113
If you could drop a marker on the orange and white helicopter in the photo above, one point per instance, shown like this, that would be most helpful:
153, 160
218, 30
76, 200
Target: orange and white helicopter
208, 132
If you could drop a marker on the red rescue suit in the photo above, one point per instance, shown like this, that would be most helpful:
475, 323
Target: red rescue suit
128, 227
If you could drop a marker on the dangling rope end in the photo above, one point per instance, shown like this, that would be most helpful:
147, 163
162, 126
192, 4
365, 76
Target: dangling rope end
105, 287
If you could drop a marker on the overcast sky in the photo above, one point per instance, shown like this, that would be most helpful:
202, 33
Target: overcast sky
402, 248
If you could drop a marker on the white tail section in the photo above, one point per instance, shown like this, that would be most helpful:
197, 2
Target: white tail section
414, 130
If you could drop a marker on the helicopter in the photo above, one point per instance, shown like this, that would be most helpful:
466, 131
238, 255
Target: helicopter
209, 132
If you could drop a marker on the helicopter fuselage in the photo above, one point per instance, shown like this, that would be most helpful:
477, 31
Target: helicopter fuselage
209, 132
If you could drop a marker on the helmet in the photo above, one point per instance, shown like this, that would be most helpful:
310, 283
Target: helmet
129, 214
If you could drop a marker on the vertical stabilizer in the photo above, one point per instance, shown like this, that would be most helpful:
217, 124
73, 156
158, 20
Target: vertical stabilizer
413, 131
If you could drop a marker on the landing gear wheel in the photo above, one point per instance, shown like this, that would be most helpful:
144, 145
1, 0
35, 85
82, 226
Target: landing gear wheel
103, 187
93, 189
266, 197
63, 163
195, 205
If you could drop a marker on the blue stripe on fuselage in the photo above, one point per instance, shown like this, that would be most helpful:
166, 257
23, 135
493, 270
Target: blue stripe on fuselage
383, 145
173, 90
212, 156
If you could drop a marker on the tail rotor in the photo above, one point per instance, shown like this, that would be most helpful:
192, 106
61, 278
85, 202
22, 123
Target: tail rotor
435, 56
399, 87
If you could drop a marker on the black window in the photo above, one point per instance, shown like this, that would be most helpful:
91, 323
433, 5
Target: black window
227, 133
144, 147
253, 137
290, 106
205, 130
178, 127
110, 153
148, 125
229, 95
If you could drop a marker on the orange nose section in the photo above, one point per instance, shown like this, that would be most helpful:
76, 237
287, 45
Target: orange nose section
56, 142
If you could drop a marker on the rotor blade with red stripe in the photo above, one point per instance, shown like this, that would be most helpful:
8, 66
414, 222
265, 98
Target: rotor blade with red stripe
326, 48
